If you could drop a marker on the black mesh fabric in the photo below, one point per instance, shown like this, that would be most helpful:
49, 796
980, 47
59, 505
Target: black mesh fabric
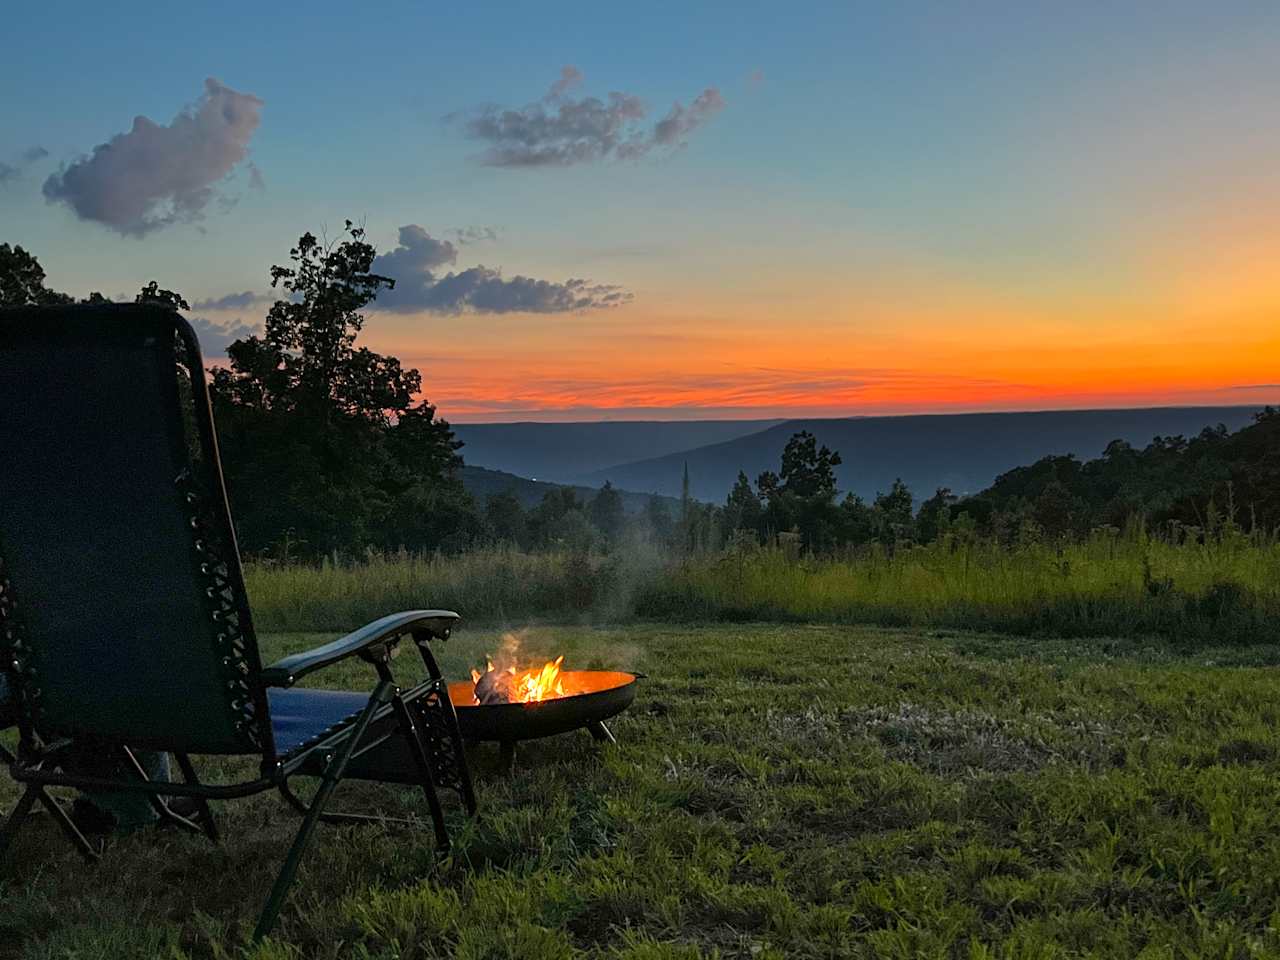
112, 609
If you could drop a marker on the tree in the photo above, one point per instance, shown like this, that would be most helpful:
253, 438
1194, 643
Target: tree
894, 511
808, 471
22, 280
307, 358
154, 293
545, 519
742, 510
857, 521
1056, 510
659, 519
801, 497
606, 512
934, 518
505, 518
322, 441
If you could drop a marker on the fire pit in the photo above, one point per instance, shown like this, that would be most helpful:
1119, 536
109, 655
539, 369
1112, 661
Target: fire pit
506, 706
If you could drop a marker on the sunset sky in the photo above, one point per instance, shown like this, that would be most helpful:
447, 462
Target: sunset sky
777, 209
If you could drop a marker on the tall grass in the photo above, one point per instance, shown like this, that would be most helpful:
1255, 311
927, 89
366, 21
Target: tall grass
1227, 590
489, 585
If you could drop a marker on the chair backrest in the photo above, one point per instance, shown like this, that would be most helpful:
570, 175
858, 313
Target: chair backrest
121, 597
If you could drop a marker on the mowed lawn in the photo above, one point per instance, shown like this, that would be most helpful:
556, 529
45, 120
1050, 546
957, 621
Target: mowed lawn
776, 791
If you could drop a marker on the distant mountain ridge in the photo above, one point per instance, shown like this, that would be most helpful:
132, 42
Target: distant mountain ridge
481, 482
965, 452
567, 452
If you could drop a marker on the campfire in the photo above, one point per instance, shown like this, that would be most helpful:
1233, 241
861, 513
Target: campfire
517, 699
511, 686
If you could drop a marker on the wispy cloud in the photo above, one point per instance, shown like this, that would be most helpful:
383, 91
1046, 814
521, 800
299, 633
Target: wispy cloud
415, 266
11, 172
231, 301
468, 235
560, 130
155, 174
216, 337
467, 388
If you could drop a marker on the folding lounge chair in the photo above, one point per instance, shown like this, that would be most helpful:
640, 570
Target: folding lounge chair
123, 613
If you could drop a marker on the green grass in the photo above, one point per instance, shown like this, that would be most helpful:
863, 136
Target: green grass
1225, 591
492, 585
777, 791
1220, 592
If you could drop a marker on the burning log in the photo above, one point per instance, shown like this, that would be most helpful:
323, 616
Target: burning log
506, 686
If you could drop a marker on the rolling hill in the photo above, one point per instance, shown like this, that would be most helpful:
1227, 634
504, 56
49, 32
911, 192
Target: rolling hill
566, 452
481, 482
962, 451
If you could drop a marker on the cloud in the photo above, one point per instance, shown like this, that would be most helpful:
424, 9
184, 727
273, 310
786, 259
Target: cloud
682, 121
570, 77
415, 263
466, 235
559, 130
230, 301
156, 175
216, 337
10, 172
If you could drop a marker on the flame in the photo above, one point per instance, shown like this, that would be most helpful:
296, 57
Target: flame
533, 686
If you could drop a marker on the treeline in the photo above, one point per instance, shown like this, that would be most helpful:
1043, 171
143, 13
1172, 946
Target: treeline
327, 452
1184, 488
1181, 489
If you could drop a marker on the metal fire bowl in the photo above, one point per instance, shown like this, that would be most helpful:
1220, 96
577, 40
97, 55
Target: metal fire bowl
591, 696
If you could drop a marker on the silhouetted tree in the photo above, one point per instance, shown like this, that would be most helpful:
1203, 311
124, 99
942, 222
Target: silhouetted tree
807, 470
934, 518
505, 518
606, 512
894, 511
742, 509
321, 438
857, 520
659, 519
801, 497
154, 293
22, 280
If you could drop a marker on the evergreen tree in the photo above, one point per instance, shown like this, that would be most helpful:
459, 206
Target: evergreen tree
742, 509
606, 512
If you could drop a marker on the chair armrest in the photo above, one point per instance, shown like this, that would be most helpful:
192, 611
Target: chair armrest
432, 623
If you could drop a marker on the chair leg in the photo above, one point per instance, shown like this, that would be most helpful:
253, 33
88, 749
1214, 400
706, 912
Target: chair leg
158, 803
328, 781
203, 814
413, 735
63, 819
19, 816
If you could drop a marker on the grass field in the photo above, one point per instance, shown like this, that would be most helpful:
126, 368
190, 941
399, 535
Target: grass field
1226, 590
777, 791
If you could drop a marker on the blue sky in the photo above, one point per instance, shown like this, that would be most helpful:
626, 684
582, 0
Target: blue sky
1005, 156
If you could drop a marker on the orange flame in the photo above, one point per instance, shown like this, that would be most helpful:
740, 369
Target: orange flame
533, 686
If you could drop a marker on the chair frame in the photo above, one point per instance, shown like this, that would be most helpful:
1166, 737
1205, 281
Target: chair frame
422, 715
